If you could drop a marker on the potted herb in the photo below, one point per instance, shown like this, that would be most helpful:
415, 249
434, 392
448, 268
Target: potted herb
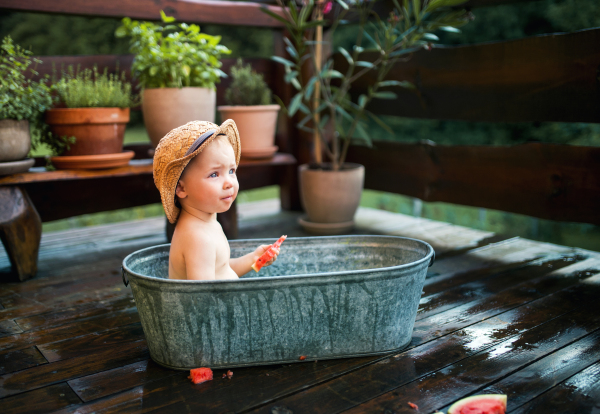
177, 66
249, 105
22, 104
95, 114
330, 191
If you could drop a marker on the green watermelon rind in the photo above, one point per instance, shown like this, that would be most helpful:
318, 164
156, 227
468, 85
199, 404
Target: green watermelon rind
456, 407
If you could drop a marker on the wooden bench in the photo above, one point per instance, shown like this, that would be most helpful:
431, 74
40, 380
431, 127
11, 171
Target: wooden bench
30, 198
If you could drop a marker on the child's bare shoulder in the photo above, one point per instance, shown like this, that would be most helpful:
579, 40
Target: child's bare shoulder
190, 235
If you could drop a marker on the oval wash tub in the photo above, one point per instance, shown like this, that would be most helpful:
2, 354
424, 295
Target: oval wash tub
323, 298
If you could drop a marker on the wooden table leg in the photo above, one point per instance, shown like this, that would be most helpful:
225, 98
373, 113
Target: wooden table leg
20, 231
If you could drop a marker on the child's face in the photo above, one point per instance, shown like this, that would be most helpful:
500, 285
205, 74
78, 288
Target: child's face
209, 181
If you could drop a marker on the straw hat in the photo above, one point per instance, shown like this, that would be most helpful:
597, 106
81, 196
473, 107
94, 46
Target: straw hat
176, 149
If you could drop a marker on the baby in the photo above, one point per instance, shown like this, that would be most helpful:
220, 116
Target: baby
195, 172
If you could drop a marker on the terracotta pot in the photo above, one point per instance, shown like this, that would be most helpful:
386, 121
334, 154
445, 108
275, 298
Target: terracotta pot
168, 108
15, 141
331, 196
256, 124
96, 130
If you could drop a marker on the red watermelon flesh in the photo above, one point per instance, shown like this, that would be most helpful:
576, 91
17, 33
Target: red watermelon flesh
200, 375
480, 404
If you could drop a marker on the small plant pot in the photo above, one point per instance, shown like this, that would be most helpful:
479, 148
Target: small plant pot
96, 130
167, 108
256, 124
331, 196
15, 141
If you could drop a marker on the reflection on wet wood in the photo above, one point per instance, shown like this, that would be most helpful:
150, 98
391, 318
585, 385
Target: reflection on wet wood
11, 361
544, 374
102, 384
490, 307
40, 401
580, 393
48, 374
457, 380
363, 384
92, 344
89, 326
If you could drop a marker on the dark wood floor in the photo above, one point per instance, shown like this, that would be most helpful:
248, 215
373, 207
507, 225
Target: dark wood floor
497, 315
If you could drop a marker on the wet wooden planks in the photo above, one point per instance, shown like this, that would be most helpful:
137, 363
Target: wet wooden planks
497, 315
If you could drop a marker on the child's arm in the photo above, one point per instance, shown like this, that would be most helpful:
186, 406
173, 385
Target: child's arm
200, 255
243, 265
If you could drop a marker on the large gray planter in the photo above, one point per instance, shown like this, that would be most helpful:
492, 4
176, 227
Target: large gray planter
325, 297
15, 141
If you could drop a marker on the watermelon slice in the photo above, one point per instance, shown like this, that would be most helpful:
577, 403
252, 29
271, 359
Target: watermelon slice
268, 255
200, 375
480, 404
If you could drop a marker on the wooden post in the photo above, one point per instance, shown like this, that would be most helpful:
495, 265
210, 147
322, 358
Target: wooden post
289, 137
317, 95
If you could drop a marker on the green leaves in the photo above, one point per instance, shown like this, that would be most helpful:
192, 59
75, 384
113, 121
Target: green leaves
385, 95
20, 97
436, 4
283, 61
91, 89
409, 28
165, 18
247, 87
295, 104
173, 55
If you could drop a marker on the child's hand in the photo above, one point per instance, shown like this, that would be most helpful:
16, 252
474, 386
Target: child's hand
260, 250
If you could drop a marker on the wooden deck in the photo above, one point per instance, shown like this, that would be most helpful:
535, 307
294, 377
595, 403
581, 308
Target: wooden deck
497, 315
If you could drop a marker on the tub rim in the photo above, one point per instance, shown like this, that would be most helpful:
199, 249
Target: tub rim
429, 256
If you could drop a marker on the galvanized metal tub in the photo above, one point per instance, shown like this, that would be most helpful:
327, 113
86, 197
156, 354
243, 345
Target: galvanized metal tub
324, 298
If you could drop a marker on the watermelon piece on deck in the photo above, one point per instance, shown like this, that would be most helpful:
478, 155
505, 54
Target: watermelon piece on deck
480, 404
200, 375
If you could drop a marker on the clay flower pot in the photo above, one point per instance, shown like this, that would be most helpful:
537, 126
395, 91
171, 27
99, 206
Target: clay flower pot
256, 124
167, 108
96, 130
330, 197
15, 141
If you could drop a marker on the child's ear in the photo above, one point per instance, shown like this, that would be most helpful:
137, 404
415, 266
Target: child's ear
179, 190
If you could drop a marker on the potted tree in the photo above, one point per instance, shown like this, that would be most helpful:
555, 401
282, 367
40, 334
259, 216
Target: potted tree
249, 105
22, 104
177, 67
330, 191
88, 131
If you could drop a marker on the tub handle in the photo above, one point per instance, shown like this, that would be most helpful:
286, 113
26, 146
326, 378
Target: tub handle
125, 279
432, 259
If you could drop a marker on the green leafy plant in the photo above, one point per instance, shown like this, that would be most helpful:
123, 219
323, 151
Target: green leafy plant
247, 87
173, 55
381, 43
91, 89
20, 97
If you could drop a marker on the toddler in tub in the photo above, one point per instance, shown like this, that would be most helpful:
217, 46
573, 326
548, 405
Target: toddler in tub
195, 172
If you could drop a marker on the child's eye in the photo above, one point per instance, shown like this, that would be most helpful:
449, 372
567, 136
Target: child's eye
214, 175
232, 171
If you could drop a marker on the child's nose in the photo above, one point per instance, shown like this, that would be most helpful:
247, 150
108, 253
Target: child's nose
228, 182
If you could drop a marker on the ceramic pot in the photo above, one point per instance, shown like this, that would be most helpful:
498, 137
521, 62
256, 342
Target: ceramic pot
96, 130
168, 108
15, 141
256, 124
331, 196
